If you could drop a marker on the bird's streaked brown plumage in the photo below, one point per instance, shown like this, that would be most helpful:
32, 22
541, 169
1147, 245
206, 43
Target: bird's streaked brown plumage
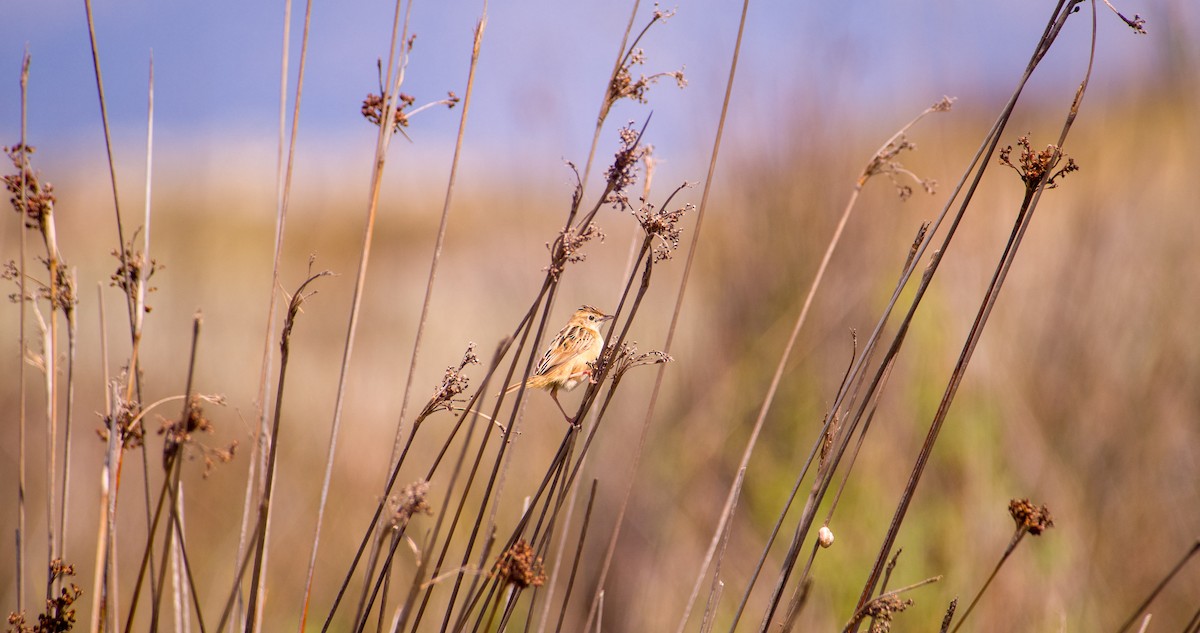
566, 363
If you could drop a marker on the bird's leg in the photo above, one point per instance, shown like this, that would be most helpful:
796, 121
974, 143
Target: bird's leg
554, 395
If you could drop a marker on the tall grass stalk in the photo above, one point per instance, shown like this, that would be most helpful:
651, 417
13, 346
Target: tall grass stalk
257, 585
1192, 551
594, 610
878, 160
22, 535
398, 55
1034, 192
398, 443
125, 270
256, 462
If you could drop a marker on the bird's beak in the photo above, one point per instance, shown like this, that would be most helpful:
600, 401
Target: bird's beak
607, 317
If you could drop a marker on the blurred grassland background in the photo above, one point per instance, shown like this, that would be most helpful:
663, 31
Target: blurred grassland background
1084, 393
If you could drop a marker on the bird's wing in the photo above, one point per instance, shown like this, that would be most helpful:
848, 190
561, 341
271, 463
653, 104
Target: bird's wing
572, 341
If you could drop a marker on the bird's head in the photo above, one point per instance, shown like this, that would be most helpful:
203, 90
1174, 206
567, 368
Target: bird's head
589, 316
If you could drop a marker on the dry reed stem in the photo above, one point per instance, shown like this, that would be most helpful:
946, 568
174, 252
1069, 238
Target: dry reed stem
987, 148
397, 450
594, 610
107, 476
710, 609
1162, 585
173, 462
264, 507
605, 102
1058, 18
777, 377
255, 478
21, 536
381, 146
583, 530
946, 619
477, 42
125, 270
423, 568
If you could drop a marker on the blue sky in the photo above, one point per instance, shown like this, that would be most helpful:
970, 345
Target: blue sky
542, 69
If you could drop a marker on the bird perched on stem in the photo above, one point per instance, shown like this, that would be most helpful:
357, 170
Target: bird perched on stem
567, 362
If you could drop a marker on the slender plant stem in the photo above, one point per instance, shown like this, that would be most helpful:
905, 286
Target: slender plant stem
381, 146
264, 505
21, 428
1058, 18
477, 42
1017, 536
1160, 586
594, 611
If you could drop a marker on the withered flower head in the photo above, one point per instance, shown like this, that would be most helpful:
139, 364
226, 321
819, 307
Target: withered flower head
177, 434
410, 501
663, 226
623, 171
374, 106
454, 382
566, 247
1029, 517
60, 612
883, 609
1035, 165
520, 566
30, 196
627, 357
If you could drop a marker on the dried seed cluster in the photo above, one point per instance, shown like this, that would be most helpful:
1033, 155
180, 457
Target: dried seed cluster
1029, 517
883, 609
662, 225
453, 384
60, 612
410, 501
1034, 165
520, 566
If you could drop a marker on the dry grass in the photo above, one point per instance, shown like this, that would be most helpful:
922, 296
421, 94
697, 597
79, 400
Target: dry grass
1080, 396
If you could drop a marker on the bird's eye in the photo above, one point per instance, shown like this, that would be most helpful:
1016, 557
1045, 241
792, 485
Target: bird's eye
591, 317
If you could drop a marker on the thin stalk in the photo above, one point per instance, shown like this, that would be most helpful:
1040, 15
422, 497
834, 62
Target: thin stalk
21, 532
381, 146
1058, 18
549, 288
256, 463
714, 593
606, 101
112, 167
179, 587
440, 240
99, 590
986, 149
399, 443
583, 530
134, 318
174, 472
1160, 586
264, 507
769, 398
367, 534
423, 568
1012, 545
594, 611
946, 619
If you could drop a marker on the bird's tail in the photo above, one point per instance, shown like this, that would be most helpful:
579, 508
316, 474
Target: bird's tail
537, 381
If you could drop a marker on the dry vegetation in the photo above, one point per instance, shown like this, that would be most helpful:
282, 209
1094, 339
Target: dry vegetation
760, 353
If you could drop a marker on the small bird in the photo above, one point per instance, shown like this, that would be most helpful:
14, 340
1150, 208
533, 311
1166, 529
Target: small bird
565, 363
